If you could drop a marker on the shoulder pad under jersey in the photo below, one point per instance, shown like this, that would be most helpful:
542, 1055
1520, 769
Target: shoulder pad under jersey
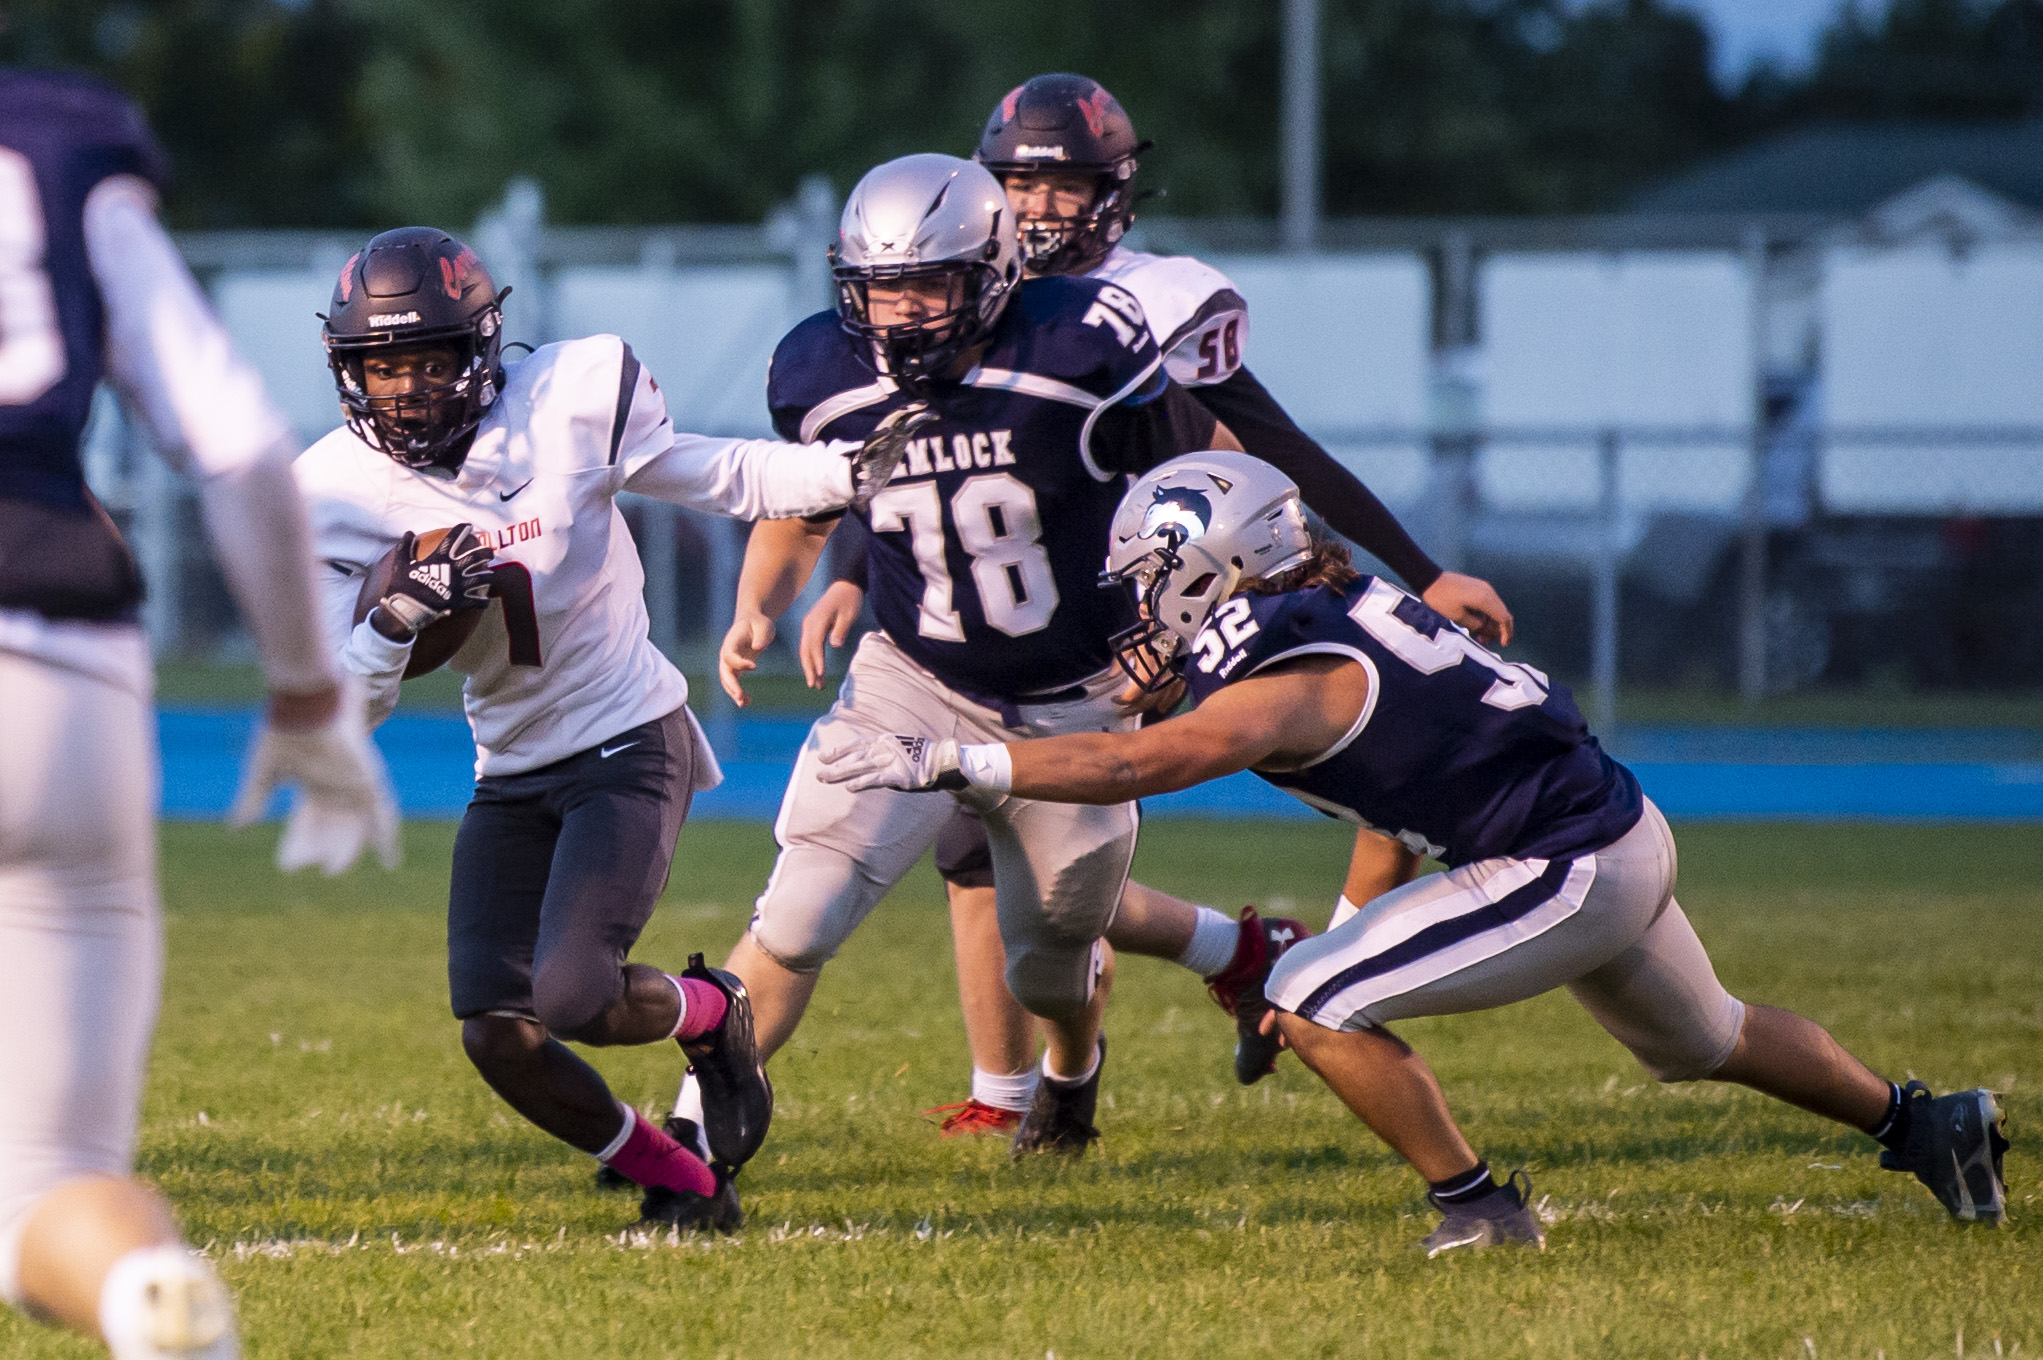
1198, 317
1089, 334
814, 363
1250, 632
93, 119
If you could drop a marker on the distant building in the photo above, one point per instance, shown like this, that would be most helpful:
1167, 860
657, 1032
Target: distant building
1848, 169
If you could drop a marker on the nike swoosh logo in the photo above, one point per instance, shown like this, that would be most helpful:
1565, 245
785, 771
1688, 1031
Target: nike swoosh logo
506, 495
609, 751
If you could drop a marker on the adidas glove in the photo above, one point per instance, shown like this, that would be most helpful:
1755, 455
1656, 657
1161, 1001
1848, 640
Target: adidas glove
875, 463
917, 765
452, 578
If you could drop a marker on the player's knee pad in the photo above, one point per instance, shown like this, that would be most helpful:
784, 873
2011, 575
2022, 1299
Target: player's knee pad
1695, 1053
1055, 982
815, 899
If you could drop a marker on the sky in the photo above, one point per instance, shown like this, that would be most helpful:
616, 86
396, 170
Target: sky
1746, 30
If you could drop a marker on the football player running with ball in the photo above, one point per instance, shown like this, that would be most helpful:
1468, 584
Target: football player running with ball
1066, 153
93, 289
587, 754
1364, 703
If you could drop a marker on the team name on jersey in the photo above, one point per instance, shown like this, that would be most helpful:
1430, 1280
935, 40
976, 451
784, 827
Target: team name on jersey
524, 531
956, 453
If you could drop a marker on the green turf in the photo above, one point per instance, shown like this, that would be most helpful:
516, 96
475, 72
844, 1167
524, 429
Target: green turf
312, 1115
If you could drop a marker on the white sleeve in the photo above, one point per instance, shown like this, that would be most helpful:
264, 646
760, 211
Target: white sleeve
745, 478
171, 356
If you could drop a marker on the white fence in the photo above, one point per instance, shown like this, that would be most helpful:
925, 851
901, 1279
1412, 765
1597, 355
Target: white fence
1586, 391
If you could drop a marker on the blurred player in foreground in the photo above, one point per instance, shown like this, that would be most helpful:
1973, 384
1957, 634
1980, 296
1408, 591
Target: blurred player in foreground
587, 754
90, 286
1066, 153
1364, 703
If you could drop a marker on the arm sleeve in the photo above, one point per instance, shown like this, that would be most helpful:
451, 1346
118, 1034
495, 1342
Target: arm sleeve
745, 478
1335, 494
172, 358
847, 552
1136, 438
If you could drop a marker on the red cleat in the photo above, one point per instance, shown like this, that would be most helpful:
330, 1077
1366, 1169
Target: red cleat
969, 1118
1238, 990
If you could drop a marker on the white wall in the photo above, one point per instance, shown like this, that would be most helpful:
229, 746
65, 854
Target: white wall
1344, 343
1650, 339
706, 334
1923, 337
271, 315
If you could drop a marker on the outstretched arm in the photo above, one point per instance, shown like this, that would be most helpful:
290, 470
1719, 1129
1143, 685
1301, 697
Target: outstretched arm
779, 556
1285, 716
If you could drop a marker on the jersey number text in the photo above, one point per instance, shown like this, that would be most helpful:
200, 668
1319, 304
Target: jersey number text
1516, 686
31, 347
999, 529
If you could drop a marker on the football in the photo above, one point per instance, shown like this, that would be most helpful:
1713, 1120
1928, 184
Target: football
437, 642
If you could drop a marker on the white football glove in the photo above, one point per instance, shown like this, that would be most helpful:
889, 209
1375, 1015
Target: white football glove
895, 761
344, 803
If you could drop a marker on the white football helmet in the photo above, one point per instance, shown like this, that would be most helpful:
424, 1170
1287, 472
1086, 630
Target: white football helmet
926, 217
1186, 534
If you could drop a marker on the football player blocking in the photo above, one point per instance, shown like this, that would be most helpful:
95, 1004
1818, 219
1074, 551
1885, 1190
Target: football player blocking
95, 289
468, 504
1066, 155
1364, 703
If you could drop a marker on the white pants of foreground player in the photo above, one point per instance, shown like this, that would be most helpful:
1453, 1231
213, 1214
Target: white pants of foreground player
1605, 926
80, 926
1058, 868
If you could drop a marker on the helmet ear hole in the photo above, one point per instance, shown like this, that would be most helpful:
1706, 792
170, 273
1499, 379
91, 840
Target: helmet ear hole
1199, 587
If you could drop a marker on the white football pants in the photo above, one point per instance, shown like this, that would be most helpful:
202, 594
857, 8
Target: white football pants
1605, 926
1058, 868
80, 926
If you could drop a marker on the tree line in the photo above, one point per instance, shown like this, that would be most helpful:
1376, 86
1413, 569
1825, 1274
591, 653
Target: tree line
356, 112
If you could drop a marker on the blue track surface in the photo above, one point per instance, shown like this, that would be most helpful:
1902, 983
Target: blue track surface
1696, 773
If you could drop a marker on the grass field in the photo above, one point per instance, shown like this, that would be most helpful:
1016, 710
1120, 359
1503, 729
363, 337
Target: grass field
312, 1115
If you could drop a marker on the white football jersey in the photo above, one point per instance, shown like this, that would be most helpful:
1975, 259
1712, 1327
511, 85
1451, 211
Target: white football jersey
577, 423
1200, 322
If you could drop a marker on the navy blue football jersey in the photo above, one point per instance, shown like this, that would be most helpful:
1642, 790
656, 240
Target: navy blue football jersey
986, 546
60, 136
1460, 754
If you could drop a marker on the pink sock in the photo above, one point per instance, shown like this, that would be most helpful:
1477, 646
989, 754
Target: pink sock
702, 1007
649, 1157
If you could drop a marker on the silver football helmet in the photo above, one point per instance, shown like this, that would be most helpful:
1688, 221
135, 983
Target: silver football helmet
928, 242
1187, 533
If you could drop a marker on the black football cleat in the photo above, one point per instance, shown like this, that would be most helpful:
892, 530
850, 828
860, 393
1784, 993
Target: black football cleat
1060, 1117
1955, 1145
737, 1098
1238, 990
718, 1211
610, 1178
1503, 1215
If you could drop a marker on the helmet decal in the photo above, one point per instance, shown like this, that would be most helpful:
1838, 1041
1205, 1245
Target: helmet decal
1181, 506
1096, 107
1007, 105
347, 278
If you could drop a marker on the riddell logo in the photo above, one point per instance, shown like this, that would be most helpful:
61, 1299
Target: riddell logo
393, 318
1039, 153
